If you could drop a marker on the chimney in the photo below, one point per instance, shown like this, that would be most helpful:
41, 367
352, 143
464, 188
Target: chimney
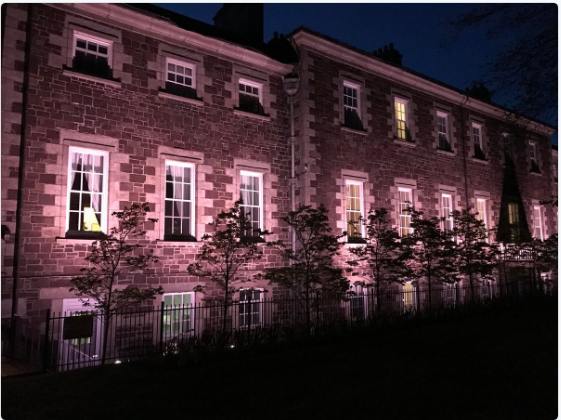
243, 19
389, 53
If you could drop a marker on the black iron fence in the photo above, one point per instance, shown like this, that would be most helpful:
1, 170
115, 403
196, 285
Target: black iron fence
76, 340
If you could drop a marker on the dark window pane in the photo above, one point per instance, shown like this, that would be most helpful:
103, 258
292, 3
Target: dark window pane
169, 208
80, 43
168, 225
102, 50
92, 47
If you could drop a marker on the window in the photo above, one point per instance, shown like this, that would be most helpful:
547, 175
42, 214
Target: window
402, 130
92, 55
250, 308
409, 295
449, 292
448, 222
87, 192
443, 131
482, 210
514, 221
354, 209
251, 195
554, 166
180, 78
358, 299
177, 320
477, 134
534, 167
351, 104
405, 201
250, 97
538, 226
179, 218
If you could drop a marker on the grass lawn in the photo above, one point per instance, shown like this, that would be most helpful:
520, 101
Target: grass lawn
499, 366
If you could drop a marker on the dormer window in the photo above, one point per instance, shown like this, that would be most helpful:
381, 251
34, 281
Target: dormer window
351, 105
92, 56
180, 78
250, 97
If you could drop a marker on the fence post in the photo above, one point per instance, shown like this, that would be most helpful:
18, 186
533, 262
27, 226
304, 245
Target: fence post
162, 327
46, 344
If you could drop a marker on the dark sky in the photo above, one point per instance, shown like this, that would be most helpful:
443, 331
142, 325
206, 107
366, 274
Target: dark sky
419, 31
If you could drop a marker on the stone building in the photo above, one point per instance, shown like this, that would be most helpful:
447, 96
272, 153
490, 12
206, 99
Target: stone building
104, 105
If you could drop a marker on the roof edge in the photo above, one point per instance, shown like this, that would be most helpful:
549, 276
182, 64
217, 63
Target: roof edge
355, 56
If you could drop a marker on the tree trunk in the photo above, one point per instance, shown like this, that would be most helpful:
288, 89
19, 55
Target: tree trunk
106, 325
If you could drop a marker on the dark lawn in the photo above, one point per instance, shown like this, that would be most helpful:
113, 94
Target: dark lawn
499, 366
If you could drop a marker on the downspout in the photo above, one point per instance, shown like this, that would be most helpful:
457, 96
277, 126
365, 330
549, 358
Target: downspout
21, 173
291, 83
464, 146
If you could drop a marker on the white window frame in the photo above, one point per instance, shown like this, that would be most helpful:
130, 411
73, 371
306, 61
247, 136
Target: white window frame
261, 200
477, 128
245, 302
538, 222
247, 82
351, 85
405, 103
482, 217
447, 217
399, 213
104, 193
446, 116
191, 166
94, 39
184, 64
190, 310
360, 184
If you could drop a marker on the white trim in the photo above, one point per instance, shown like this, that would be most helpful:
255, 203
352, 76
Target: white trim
447, 217
104, 193
537, 223
94, 39
399, 214
361, 198
193, 191
261, 198
184, 64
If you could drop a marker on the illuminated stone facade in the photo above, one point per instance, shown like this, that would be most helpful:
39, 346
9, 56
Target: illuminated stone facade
141, 127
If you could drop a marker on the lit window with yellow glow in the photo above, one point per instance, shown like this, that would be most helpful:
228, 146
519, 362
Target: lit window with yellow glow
514, 221
482, 210
538, 227
448, 223
401, 118
87, 191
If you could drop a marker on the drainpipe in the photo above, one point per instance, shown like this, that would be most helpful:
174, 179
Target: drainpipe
21, 174
464, 146
291, 88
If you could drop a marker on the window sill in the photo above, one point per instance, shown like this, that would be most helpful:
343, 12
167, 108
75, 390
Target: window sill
198, 102
483, 161
107, 82
353, 244
251, 115
354, 130
535, 173
446, 152
178, 243
407, 143
72, 241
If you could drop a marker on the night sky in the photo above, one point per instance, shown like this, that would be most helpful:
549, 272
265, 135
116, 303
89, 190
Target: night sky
419, 31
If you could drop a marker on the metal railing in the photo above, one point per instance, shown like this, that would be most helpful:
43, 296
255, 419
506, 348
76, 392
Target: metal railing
137, 333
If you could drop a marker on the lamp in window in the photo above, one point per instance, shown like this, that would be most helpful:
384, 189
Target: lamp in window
91, 223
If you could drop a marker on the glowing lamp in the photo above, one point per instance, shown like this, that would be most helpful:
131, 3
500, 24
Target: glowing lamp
90, 220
